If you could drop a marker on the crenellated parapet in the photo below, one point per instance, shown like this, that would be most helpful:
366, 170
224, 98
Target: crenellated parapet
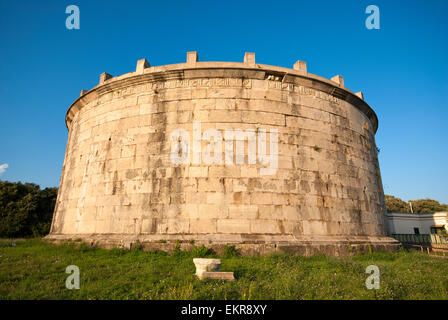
193, 68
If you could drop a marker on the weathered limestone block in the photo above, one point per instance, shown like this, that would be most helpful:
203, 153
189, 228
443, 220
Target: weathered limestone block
204, 265
142, 64
338, 79
208, 269
192, 58
300, 66
103, 77
249, 58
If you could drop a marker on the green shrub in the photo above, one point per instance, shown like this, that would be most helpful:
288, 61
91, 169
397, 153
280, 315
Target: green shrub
25, 209
137, 246
230, 251
84, 247
202, 252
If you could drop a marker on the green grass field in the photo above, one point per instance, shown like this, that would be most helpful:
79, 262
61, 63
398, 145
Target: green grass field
34, 269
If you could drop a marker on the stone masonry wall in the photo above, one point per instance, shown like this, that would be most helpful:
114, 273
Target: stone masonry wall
118, 178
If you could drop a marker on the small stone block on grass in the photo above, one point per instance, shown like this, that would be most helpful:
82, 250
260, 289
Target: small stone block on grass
208, 269
218, 276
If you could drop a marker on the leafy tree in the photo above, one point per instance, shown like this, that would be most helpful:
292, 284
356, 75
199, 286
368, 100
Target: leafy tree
394, 204
25, 209
428, 205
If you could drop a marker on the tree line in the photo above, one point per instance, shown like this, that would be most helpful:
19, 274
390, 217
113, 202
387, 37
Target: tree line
25, 209
394, 204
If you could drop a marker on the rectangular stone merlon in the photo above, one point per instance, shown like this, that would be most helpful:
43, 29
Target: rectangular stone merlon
218, 276
83, 92
300, 66
249, 59
142, 64
192, 58
339, 80
104, 76
359, 94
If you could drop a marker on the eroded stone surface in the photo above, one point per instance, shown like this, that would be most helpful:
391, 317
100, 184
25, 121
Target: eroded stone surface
118, 183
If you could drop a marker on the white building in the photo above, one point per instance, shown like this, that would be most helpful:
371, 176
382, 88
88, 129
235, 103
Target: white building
417, 223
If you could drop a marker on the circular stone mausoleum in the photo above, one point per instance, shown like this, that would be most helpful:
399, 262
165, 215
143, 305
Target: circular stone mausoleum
222, 153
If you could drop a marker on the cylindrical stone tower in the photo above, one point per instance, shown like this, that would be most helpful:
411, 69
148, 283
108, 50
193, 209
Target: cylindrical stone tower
222, 153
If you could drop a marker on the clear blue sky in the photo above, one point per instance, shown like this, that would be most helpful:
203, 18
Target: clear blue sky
401, 68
